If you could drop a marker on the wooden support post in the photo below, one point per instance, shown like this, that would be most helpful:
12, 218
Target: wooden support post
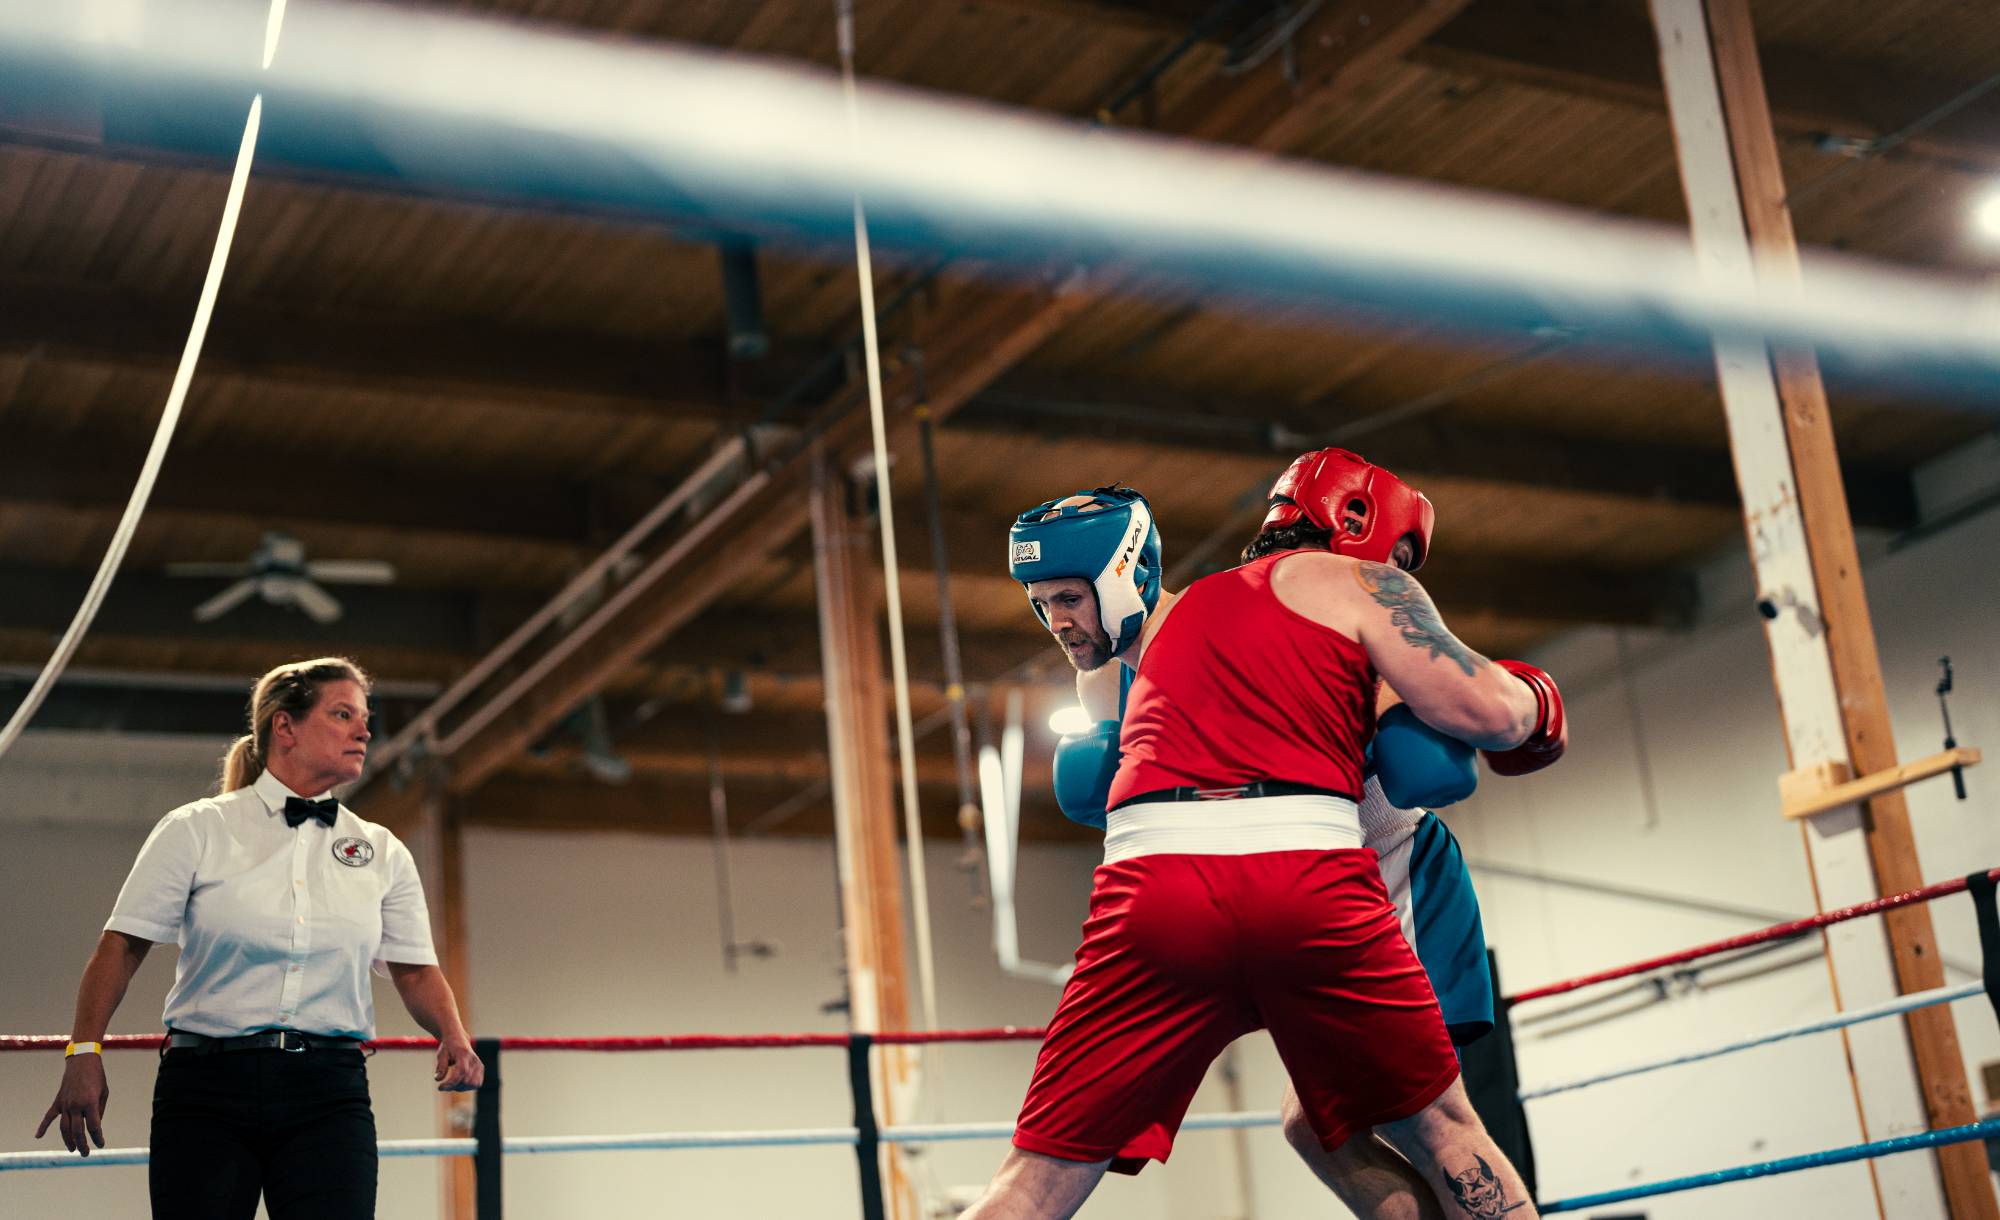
425, 818
455, 1110
1906, 1077
864, 807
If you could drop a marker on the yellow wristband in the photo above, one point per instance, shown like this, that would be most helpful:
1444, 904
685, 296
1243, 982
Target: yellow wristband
82, 1048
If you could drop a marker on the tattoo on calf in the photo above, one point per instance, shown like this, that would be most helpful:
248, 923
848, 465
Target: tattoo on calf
1411, 612
1480, 1193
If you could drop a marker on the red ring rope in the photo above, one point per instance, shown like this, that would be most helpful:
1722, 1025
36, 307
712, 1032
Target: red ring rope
1023, 1033
1780, 931
670, 1042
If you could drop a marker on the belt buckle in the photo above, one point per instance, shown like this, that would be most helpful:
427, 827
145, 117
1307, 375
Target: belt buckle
285, 1042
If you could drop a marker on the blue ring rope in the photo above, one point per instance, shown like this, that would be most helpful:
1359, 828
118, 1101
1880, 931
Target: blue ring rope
1790, 1164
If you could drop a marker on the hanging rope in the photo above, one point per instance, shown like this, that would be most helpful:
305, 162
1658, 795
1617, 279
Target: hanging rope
899, 667
163, 434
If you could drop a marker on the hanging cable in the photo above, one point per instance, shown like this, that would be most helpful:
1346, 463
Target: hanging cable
1278, 39
899, 666
149, 472
1860, 152
954, 666
718, 817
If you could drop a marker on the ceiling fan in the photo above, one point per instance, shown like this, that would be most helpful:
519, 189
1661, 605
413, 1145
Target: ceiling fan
280, 573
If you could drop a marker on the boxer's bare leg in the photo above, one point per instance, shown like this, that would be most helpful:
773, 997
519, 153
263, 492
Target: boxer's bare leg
1031, 1186
1364, 1173
1449, 1146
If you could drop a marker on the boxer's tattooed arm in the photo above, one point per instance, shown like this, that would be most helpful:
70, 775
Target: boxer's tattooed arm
1480, 1193
1411, 613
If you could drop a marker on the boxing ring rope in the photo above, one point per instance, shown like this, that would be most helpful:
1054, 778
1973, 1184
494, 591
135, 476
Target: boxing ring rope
866, 1137
1841, 1020
1777, 931
464, 105
1790, 1164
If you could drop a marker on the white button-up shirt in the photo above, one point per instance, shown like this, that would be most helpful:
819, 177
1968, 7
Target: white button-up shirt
277, 926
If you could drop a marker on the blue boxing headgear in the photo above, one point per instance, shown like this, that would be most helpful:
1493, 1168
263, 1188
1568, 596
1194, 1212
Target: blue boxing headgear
1109, 541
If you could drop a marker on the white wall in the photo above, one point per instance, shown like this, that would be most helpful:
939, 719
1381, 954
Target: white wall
576, 934
1707, 723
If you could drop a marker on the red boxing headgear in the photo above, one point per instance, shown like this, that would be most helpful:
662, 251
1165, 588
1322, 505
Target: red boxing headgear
1368, 509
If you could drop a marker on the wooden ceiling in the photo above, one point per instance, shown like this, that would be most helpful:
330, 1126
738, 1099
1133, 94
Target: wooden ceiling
487, 392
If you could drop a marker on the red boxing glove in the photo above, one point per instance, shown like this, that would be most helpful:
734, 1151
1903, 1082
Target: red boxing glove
1551, 734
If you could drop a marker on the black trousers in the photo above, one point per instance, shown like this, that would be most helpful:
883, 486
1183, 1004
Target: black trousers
293, 1126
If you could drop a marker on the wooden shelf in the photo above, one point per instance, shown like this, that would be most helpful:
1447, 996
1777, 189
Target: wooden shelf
1817, 789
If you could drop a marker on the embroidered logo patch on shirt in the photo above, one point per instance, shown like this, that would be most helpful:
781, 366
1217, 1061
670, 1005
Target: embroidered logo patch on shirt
354, 853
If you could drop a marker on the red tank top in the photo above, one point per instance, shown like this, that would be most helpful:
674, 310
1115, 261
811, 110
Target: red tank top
1236, 687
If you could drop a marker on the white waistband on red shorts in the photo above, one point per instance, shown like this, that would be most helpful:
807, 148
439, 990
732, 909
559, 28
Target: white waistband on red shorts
1243, 826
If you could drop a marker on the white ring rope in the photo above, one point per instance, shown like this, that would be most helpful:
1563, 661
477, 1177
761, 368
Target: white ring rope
935, 1133
108, 1157
163, 433
1891, 1008
899, 665
668, 1140
455, 105
534, 1145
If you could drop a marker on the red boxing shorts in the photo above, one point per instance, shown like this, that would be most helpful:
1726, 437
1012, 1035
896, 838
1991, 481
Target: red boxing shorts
1183, 954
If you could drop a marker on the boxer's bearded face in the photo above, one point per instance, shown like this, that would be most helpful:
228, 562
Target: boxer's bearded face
1070, 605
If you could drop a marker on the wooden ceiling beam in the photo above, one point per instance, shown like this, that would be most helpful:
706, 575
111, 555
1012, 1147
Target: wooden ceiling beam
1506, 586
1146, 17
1333, 54
1433, 447
147, 608
144, 605
1608, 51
430, 358
92, 472
39, 467
469, 368
689, 760
456, 624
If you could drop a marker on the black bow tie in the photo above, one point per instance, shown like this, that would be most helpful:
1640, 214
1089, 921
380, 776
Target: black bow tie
298, 809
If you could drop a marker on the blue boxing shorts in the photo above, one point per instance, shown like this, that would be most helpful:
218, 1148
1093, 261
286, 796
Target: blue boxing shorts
1427, 881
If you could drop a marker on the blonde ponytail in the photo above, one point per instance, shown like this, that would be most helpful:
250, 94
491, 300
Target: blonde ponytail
241, 766
292, 688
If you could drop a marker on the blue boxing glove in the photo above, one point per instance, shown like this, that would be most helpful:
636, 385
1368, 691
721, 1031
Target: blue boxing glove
1085, 765
1419, 767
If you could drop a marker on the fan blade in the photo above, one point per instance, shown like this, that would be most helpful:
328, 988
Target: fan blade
315, 601
209, 569
225, 601
351, 571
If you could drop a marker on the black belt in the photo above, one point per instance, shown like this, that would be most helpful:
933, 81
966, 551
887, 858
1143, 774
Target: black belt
264, 1040
1241, 792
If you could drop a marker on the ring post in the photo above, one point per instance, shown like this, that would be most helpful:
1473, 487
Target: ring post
868, 1137
486, 1130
